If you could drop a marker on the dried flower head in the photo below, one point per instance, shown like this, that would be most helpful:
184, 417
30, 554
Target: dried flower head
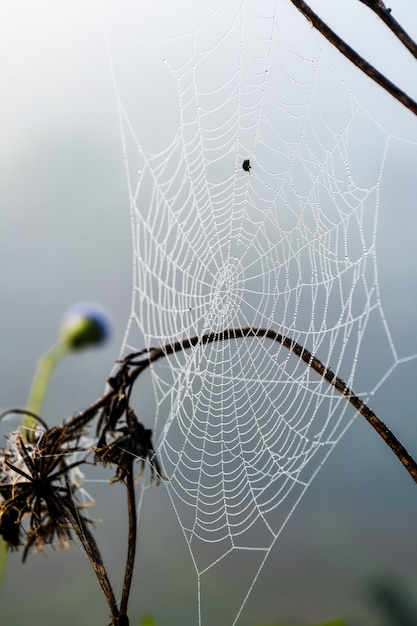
126, 444
38, 492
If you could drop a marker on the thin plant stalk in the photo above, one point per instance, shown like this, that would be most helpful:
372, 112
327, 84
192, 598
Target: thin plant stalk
93, 553
44, 370
131, 549
3, 559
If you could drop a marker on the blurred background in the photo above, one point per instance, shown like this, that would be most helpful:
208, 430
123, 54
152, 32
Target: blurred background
349, 549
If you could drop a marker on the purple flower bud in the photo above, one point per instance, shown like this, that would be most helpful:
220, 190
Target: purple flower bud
85, 324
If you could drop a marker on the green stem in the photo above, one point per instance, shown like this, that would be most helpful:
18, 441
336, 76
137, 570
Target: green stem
45, 367
3, 560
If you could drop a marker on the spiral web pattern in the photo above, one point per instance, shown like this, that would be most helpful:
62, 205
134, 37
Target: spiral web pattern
243, 426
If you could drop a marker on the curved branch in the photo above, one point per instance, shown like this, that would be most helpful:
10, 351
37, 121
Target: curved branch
354, 57
154, 354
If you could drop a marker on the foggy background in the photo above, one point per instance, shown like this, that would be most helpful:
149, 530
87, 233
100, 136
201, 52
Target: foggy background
65, 236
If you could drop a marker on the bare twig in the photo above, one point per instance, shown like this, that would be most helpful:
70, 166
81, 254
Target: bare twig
154, 354
131, 549
395, 27
354, 57
91, 549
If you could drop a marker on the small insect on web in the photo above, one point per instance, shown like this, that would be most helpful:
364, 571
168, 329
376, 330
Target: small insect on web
246, 165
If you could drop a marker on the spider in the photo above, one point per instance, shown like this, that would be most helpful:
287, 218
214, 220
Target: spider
35, 485
246, 165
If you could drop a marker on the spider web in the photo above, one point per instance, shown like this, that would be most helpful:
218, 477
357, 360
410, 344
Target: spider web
242, 427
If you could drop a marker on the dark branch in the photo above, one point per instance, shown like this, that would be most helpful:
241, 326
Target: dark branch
131, 549
93, 553
302, 353
395, 27
354, 57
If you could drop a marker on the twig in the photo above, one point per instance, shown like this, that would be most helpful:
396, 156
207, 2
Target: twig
131, 549
354, 57
395, 27
91, 549
302, 353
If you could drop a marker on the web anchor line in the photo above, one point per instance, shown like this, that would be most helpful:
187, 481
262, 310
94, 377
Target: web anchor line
132, 368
